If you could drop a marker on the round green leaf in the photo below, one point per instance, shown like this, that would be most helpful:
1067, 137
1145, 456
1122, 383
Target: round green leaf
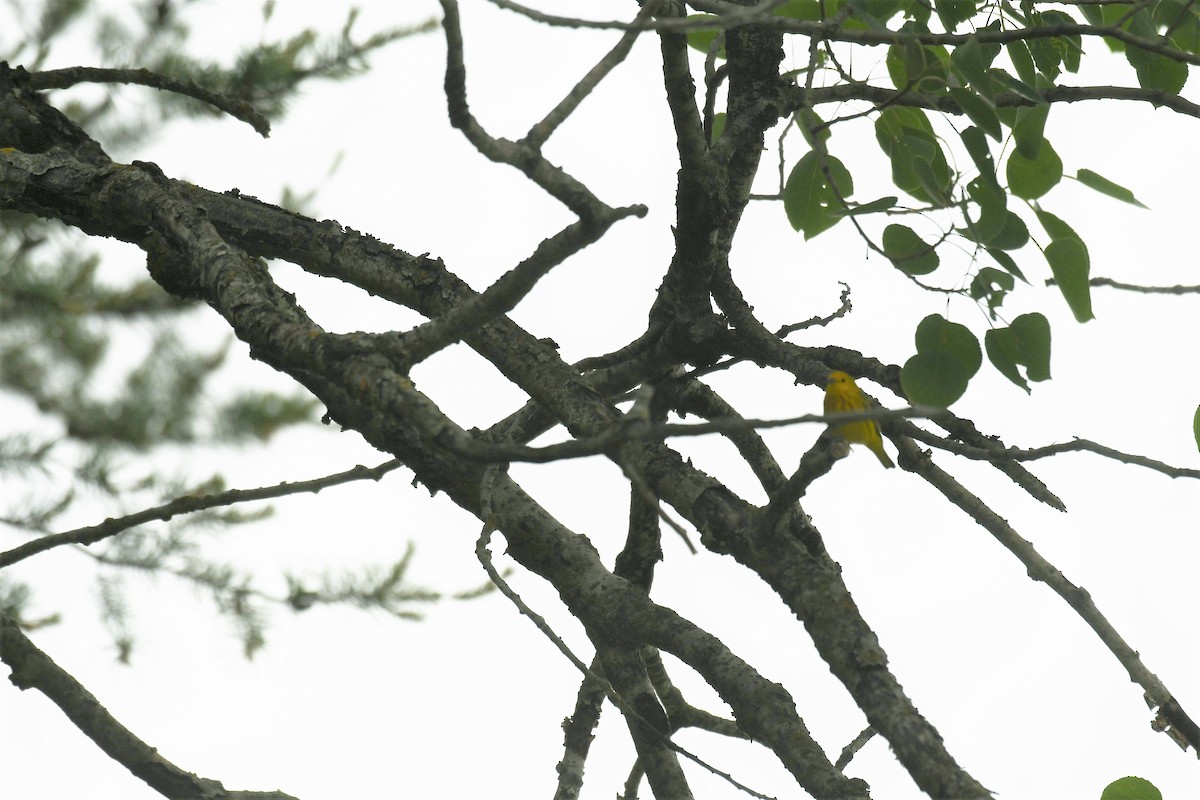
1156, 71
928, 382
1196, 427
811, 205
948, 355
1013, 236
1033, 335
1131, 788
1031, 178
908, 251
1025, 343
949, 340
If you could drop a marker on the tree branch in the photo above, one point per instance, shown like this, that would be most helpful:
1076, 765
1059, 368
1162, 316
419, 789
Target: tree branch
525, 157
542, 131
33, 669
188, 505
632, 713
800, 97
70, 76
1040, 569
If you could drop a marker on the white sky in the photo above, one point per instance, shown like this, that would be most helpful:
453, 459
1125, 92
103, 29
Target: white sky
469, 703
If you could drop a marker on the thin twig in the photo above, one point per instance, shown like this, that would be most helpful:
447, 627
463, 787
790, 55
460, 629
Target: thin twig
187, 505
542, 131
1044, 451
1040, 569
755, 15
1132, 287
850, 750
594, 445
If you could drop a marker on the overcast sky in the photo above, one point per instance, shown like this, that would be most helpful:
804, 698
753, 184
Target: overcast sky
342, 703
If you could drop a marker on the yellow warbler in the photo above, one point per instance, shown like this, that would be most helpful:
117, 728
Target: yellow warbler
843, 395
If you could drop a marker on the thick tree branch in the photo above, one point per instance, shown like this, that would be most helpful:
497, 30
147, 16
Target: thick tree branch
649, 728
363, 392
70, 76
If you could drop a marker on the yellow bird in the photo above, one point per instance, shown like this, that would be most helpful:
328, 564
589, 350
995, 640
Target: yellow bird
842, 395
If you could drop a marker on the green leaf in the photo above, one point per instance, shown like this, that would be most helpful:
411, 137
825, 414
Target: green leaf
1131, 788
978, 110
952, 12
919, 166
874, 13
1105, 186
807, 121
920, 12
977, 147
991, 201
702, 38
1155, 71
908, 251
939, 336
992, 285
1024, 343
1031, 122
948, 355
1055, 227
1017, 87
1032, 178
1196, 427
1093, 14
1183, 18
1018, 53
1047, 55
1013, 236
810, 203
1070, 264
935, 185
971, 62
1006, 261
